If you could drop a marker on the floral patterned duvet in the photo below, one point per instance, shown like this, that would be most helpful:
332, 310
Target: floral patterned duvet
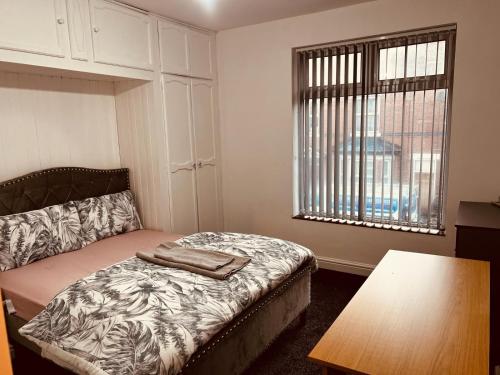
136, 317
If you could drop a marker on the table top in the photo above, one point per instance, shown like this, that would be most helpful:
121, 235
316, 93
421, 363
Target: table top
478, 215
415, 314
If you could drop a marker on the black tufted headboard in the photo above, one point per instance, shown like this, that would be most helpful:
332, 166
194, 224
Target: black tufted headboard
59, 185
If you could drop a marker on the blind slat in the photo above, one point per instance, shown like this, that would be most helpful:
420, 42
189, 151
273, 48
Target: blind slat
337, 136
345, 133
410, 202
329, 136
353, 134
391, 195
384, 171
400, 200
322, 138
421, 150
443, 163
301, 116
307, 173
362, 200
314, 135
374, 172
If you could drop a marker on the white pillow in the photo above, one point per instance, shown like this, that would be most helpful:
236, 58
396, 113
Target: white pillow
30, 236
108, 215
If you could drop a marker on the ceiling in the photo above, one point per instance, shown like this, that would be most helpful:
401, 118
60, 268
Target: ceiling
227, 14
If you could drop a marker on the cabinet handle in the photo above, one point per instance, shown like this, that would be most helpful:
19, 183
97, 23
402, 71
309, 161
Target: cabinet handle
60, 21
194, 165
96, 29
200, 164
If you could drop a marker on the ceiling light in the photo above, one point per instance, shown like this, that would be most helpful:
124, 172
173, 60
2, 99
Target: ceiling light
208, 5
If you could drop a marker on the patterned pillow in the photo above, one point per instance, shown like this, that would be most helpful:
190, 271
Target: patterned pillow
31, 236
108, 215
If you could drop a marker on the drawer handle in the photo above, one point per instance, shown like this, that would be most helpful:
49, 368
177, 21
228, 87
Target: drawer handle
60, 21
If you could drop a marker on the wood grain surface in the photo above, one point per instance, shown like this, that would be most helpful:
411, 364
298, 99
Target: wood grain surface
415, 314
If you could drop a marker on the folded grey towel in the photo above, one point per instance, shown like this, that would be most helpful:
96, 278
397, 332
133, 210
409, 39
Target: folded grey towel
221, 274
206, 259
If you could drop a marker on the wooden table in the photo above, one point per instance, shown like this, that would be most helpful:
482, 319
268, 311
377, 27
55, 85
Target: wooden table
5, 363
415, 314
478, 237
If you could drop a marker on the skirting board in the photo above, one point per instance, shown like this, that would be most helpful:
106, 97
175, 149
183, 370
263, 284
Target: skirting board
343, 265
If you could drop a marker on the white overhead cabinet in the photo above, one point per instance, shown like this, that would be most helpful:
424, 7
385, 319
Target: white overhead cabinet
84, 36
79, 29
34, 26
185, 51
189, 119
121, 36
200, 54
174, 51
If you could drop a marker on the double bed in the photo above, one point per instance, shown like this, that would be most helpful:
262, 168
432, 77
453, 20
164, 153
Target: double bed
229, 349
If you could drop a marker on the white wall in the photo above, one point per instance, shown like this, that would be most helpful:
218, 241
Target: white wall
52, 121
256, 120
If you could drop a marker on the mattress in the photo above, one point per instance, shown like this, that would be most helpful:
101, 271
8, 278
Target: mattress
33, 286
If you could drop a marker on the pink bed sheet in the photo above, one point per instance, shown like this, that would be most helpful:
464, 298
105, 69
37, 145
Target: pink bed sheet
33, 286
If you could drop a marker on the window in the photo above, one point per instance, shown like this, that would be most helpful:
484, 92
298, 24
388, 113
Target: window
372, 130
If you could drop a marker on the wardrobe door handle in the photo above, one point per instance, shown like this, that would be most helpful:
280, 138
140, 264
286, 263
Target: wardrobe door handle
194, 165
96, 29
200, 164
60, 21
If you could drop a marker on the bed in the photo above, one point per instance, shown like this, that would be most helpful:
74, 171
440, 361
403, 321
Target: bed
229, 351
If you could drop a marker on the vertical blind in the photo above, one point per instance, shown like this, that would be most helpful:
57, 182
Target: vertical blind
372, 130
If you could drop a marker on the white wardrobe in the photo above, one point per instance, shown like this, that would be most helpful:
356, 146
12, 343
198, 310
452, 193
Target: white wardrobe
185, 137
160, 80
193, 171
190, 120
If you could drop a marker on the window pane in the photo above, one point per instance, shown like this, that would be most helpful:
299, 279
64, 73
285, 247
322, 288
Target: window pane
423, 59
334, 70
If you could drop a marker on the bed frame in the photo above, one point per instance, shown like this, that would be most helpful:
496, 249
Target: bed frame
59, 185
233, 349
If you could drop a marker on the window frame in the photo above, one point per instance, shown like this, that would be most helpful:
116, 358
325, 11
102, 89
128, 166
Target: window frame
375, 86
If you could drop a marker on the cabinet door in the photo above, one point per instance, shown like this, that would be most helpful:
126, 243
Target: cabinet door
79, 29
182, 174
121, 36
33, 26
200, 54
209, 211
173, 48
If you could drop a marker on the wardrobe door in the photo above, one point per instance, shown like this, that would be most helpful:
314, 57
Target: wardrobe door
182, 167
121, 36
174, 54
200, 54
202, 93
33, 26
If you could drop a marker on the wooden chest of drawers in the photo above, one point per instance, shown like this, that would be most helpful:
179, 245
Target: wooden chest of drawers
478, 237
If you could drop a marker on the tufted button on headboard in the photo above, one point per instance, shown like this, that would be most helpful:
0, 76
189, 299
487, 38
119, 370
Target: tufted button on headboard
59, 185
